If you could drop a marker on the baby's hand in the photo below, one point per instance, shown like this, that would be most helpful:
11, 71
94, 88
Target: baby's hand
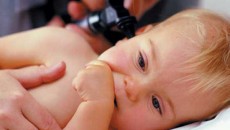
95, 86
95, 82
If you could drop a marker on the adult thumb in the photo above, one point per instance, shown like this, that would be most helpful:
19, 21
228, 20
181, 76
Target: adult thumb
34, 76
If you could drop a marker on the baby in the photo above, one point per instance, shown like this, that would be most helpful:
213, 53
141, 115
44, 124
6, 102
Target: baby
170, 74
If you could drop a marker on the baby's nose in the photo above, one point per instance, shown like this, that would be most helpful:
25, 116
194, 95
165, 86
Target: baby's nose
132, 88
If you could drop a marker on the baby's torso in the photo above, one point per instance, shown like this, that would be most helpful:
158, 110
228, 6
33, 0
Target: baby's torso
59, 97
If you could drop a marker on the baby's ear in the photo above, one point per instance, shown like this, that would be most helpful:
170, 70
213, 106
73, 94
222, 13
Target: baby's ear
144, 29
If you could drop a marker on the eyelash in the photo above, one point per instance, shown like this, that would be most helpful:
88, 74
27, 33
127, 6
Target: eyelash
141, 61
156, 104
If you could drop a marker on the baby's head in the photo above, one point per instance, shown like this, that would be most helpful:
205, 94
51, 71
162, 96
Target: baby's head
208, 68
209, 65
175, 72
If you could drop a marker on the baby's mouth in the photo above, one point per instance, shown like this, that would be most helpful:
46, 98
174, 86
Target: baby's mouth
115, 102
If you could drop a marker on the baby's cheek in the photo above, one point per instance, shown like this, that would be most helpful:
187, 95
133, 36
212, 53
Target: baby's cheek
135, 119
116, 58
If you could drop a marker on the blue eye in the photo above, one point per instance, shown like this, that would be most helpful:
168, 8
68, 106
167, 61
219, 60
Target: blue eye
156, 104
141, 61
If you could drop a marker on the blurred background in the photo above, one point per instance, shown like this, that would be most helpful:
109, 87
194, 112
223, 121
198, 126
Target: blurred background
20, 15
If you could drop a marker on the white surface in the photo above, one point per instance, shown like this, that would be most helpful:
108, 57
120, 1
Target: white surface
219, 6
220, 122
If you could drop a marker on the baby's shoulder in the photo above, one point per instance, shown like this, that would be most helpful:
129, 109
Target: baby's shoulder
65, 42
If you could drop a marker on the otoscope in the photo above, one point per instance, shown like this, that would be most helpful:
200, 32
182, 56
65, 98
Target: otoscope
112, 19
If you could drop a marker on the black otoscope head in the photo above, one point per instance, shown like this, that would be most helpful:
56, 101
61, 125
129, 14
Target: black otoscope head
112, 18
127, 26
124, 22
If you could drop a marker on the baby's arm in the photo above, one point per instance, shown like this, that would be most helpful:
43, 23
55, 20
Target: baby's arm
21, 49
95, 86
32, 47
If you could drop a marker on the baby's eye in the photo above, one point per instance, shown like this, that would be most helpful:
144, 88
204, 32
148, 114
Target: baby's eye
141, 61
156, 104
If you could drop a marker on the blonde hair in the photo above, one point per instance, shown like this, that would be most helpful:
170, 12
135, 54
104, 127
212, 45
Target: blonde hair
211, 66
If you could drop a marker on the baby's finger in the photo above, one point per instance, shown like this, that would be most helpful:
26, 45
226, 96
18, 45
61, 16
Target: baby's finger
98, 63
77, 79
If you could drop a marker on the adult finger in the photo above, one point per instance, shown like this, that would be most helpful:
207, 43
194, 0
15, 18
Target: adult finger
16, 104
15, 115
139, 7
21, 124
37, 115
94, 5
36, 75
77, 10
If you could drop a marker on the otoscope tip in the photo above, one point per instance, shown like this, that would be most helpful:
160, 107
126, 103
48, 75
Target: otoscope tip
127, 26
129, 34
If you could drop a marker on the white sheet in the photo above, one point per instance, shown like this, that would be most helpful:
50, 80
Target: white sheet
220, 122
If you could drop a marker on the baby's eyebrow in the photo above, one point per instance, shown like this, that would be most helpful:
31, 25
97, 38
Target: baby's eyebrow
154, 53
153, 49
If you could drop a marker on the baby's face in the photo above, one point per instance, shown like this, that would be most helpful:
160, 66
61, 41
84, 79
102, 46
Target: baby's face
149, 87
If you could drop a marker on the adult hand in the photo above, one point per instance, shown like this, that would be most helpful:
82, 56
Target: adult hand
78, 10
18, 109
136, 7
